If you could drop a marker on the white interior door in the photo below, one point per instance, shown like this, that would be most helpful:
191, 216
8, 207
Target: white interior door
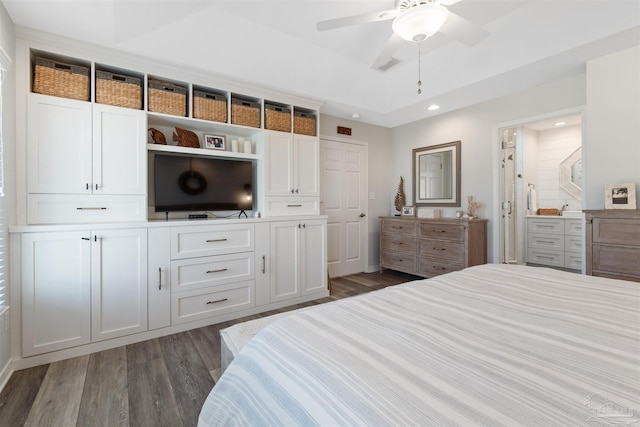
344, 200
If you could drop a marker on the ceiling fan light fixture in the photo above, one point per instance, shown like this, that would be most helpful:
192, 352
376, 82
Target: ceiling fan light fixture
420, 22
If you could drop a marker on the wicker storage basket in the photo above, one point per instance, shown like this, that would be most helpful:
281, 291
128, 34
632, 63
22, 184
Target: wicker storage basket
209, 106
304, 123
548, 211
277, 118
245, 113
167, 98
118, 90
61, 79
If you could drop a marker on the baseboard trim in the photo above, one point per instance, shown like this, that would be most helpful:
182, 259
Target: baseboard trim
5, 374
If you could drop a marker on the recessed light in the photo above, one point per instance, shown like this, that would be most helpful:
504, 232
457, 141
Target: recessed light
433, 107
355, 116
560, 123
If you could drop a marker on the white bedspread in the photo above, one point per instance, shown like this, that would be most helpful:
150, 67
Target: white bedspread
489, 345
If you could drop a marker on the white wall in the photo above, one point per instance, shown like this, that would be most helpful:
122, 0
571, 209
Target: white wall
381, 183
7, 42
554, 146
475, 127
611, 150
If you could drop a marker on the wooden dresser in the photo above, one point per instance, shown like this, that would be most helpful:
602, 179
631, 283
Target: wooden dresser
429, 247
613, 243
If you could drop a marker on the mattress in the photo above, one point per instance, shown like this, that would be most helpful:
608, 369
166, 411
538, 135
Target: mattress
488, 345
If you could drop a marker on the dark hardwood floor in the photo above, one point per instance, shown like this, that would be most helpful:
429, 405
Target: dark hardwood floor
159, 382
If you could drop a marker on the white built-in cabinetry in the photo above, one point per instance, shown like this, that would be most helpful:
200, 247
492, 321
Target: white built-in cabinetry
554, 241
297, 258
98, 269
85, 162
292, 175
82, 286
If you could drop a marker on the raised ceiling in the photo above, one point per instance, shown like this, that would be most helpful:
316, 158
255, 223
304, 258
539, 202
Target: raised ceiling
275, 44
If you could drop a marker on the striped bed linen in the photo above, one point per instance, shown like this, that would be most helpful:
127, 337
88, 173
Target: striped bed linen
489, 345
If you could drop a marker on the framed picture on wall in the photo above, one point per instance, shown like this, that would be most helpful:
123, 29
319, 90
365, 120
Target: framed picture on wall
620, 196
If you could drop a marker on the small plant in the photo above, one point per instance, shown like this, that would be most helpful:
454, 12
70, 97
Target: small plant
473, 207
400, 199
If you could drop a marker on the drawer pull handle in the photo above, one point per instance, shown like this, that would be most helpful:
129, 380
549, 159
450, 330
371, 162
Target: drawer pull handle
294, 206
439, 231
398, 228
437, 267
159, 278
217, 301
545, 257
220, 270
91, 209
264, 264
551, 242
398, 243
216, 240
439, 249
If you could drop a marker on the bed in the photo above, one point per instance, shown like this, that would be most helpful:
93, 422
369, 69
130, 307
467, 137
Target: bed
489, 345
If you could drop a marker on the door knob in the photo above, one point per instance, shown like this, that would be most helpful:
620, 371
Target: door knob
362, 215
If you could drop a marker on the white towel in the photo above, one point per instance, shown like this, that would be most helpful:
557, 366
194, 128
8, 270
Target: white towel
532, 200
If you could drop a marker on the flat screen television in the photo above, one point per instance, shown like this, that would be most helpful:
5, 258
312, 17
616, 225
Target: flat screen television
191, 183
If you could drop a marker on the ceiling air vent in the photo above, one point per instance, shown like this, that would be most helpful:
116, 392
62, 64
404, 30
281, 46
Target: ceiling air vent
390, 63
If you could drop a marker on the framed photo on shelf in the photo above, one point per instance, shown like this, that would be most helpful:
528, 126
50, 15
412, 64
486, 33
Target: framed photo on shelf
408, 211
620, 196
214, 142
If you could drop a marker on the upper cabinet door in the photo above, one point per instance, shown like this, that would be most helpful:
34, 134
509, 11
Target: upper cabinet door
279, 164
119, 152
305, 166
58, 145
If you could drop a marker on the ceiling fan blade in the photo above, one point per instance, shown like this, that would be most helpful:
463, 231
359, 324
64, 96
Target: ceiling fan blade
365, 18
462, 30
387, 52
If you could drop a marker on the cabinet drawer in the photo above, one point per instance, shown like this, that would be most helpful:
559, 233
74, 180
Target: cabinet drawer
398, 261
430, 267
546, 241
395, 227
401, 243
66, 209
208, 302
195, 273
190, 242
617, 231
573, 260
573, 243
292, 206
442, 249
573, 227
545, 225
616, 259
442, 231
545, 257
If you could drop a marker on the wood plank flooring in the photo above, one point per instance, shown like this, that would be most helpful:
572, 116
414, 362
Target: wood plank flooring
159, 382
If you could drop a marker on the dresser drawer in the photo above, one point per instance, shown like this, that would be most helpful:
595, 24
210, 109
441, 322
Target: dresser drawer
190, 242
573, 227
430, 267
442, 231
616, 259
399, 243
395, 227
398, 261
573, 260
196, 273
573, 244
545, 257
616, 231
68, 209
546, 241
442, 249
208, 302
545, 225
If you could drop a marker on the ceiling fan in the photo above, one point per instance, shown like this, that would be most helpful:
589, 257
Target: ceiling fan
413, 20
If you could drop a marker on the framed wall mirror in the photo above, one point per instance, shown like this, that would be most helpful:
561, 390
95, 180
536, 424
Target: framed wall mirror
571, 174
436, 175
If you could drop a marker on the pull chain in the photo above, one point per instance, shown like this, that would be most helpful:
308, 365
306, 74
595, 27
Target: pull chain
419, 80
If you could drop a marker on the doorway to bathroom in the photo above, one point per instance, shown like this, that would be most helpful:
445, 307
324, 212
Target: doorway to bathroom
539, 171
